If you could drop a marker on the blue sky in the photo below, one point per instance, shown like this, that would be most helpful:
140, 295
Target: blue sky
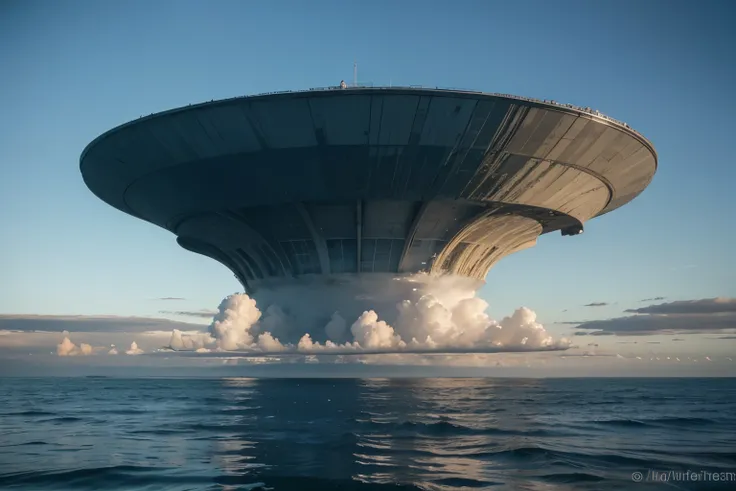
72, 70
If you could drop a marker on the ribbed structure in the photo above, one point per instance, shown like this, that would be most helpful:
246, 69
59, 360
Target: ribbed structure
367, 180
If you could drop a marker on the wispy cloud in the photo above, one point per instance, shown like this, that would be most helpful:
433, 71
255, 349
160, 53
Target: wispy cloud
710, 315
654, 299
171, 298
704, 306
596, 304
89, 323
640, 325
204, 313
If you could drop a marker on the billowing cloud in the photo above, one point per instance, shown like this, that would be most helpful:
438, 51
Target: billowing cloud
180, 341
429, 314
371, 333
68, 348
134, 350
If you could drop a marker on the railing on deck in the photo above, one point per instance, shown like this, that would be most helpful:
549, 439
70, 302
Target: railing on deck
370, 85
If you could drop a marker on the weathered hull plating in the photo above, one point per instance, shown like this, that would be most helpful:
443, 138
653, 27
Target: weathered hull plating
367, 180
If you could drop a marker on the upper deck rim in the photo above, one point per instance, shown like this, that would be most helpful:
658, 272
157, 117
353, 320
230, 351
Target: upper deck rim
330, 91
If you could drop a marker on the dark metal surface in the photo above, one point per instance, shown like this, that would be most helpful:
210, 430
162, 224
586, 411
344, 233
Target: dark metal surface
367, 180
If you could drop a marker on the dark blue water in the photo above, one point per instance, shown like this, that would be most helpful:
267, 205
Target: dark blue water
323, 434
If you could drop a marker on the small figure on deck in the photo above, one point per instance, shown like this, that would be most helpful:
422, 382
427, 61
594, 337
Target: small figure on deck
343, 85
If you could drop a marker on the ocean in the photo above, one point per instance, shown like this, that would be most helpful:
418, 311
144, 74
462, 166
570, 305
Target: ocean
367, 434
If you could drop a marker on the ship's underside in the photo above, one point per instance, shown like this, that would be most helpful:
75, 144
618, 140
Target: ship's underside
364, 236
366, 181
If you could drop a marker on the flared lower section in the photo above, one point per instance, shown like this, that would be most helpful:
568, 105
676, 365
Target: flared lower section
439, 237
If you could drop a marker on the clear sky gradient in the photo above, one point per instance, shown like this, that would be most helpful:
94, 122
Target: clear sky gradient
72, 70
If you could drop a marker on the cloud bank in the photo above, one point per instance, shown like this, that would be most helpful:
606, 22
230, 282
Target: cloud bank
88, 323
204, 314
705, 306
67, 348
710, 315
404, 314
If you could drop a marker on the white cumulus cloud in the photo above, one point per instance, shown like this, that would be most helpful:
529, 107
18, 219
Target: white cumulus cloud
404, 314
68, 348
134, 350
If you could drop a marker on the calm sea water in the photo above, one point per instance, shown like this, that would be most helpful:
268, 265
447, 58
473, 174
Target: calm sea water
323, 434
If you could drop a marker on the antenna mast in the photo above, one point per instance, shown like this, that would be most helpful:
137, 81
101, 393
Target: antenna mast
355, 74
